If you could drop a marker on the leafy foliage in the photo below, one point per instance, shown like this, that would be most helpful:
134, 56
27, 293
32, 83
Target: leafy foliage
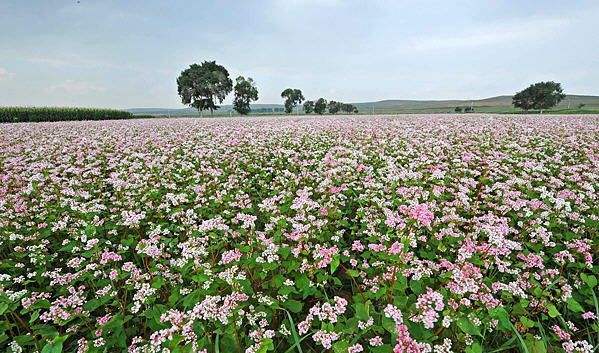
539, 96
308, 107
293, 97
202, 86
320, 106
245, 93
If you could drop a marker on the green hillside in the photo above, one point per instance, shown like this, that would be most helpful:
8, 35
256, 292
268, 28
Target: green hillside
498, 104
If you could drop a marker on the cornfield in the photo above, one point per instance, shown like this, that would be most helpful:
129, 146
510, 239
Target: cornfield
31, 114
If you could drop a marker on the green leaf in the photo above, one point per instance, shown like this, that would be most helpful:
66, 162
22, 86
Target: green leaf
265, 346
553, 312
388, 324
416, 286
535, 346
335, 263
362, 311
468, 327
501, 315
382, 349
527, 322
294, 306
574, 306
55, 346
590, 280
341, 346
474, 348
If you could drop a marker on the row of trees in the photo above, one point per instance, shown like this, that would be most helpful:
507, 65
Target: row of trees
321, 105
203, 86
293, 97
467, 109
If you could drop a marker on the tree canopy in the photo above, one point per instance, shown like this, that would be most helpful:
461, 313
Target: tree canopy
245, 93
334, 107
293, 97
320, 106
308, 107
201, 86
539, 96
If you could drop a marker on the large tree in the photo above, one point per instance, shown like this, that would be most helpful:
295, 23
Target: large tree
539, 96
293, 97
308, 107
201, 86
245, 93
320, 106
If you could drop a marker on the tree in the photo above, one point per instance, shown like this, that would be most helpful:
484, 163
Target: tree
200, 86
245, 93
333, 107
468, 109
348, 108
293, 97
320, 106
458, 109
539, 96
308, 107
581, 105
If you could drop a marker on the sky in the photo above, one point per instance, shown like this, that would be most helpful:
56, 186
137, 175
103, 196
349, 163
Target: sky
126, 54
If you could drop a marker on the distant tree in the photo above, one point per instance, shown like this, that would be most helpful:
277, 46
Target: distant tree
293, 97
581, 105
245, 93
458, 109
355, 110
539, 96
346, 108
468, 109
320, 106
334, 107
308, 107
201, 86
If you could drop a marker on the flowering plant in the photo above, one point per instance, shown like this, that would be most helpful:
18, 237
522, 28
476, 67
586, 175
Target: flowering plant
409, 235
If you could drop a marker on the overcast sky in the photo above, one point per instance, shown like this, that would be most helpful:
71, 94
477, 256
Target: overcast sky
126, 54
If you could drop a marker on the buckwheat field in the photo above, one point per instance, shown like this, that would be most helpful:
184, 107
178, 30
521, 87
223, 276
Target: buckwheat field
408, 234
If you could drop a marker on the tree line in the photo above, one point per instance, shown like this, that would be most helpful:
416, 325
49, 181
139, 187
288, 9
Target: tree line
204, 86
294, 97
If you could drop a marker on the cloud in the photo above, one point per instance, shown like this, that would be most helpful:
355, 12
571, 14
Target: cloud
526, 30
76, 88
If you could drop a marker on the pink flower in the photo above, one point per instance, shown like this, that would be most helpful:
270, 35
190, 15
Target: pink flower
589, 315
108, 256
356, 348
421, 213
376, 341
230, 256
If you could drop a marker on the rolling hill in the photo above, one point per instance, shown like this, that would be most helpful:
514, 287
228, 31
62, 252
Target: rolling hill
498, 104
